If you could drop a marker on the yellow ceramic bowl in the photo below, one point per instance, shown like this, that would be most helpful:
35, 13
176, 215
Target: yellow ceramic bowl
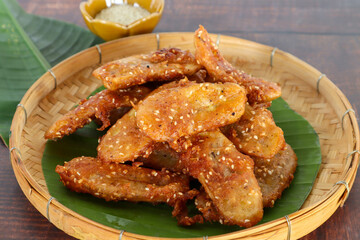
111, 30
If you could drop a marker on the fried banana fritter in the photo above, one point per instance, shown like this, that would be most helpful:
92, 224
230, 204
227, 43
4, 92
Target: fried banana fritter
205, 205
99, 107
124, 141
175, 131
163, 156
256, 133
221, 70
190, 108
275, 174
162, 65
199, 77
114, 182
227, 177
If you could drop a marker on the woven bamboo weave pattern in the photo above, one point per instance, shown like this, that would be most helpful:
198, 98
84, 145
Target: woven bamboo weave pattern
51, 108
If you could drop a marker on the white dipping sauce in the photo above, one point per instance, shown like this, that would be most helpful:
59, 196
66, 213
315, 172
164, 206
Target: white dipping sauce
123, 13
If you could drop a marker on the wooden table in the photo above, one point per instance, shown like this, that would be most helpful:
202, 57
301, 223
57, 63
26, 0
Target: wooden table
324, 33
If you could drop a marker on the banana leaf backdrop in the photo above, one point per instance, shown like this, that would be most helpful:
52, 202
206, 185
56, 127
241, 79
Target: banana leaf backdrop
29, 46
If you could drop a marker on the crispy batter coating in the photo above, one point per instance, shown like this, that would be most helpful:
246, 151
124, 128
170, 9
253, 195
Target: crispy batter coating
221, 70
163, 156
205, 205
190, 108
227, 177
162, 65
275, 174
199, 76
114, 182
124, 141
99, 107
256, 133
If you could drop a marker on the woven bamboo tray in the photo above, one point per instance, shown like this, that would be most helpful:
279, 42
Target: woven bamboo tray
307, 91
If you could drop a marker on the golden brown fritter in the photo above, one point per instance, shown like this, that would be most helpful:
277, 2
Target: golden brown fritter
124, 141
162, 65
163, 156
99, 107
199, 76
208, 55
227, 177
205, 205
115, 182
189, 108
275, 174
256, 133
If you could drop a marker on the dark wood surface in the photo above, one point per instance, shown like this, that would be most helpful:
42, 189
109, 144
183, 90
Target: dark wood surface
324, 33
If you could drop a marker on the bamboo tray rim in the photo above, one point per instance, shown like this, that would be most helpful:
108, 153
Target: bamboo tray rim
337, 195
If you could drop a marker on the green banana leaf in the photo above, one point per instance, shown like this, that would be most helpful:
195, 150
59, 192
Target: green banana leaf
29, 46
156, 220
